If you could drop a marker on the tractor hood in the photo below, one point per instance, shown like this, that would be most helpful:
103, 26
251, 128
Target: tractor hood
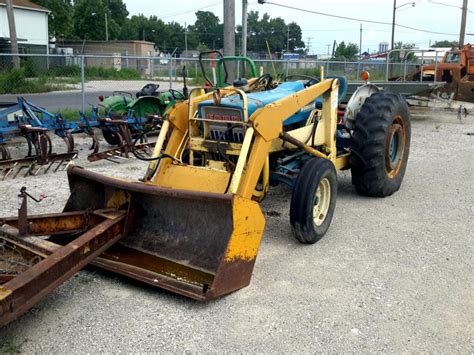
257, 100
260, 99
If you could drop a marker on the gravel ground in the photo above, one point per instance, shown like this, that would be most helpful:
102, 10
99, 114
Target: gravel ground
392, 274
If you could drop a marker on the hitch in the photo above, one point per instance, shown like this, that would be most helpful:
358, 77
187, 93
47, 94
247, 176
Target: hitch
23, 226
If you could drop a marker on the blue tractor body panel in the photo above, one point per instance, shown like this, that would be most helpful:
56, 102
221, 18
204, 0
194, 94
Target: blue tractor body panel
260, 99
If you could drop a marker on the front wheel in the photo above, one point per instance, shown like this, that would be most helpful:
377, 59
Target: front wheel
313, 200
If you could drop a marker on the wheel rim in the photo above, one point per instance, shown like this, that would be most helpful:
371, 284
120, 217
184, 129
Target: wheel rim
395, 148
322, 199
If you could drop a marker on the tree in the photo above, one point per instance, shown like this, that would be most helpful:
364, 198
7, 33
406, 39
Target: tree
208, 29
349, 51
399, 55
89, 19
118, 11
273, 30
445, 44
60, 20
296, 42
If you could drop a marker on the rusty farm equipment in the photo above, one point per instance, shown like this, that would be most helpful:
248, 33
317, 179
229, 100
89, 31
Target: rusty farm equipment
24, 119
193, 224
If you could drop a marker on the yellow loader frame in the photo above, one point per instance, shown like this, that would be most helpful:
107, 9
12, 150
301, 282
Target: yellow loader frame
264, 135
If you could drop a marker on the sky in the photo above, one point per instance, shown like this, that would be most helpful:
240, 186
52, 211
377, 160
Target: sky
320, 31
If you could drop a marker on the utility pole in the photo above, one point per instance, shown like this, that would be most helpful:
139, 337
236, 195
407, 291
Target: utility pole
463, 24
244, 28
106, 28
185, 38
393, 23
229, 36
360, 42
308, 39
13, 39
288, 40
329, 45
229, 27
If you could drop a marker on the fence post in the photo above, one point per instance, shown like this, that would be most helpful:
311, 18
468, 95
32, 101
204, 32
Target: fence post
170, 71
83, 86
151, 66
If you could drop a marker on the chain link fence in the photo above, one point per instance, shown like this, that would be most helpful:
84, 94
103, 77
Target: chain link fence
75, 82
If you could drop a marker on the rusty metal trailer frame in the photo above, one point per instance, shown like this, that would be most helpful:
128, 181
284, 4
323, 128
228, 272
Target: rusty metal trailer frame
52, 263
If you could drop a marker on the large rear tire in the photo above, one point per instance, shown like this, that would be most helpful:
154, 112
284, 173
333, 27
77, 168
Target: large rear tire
380, 145
313, 200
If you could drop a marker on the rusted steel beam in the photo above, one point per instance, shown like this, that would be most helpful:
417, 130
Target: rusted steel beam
6, 277
54, 223
27, 289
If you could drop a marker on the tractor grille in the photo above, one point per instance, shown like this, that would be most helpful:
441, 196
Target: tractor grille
235, 135
222, 114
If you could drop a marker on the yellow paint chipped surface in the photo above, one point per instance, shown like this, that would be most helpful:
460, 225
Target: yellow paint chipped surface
4, 293
118, 199
249, 225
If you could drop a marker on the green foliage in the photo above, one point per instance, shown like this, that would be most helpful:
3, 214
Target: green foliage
65, 71
445, 44
85, 19
208, 29
71, 114
273, 30
396, 57
101, 73
60, 20
29, 79
349, 51
15, 82
89, 18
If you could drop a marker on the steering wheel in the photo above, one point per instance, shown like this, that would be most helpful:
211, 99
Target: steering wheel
311, 80
177, 95
264, 80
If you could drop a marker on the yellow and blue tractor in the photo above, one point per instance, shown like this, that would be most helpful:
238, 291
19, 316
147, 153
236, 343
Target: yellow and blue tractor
193, 224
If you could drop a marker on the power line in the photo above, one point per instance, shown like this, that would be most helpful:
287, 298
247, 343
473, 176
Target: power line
444, 4
448, 5
362, 20
189, 11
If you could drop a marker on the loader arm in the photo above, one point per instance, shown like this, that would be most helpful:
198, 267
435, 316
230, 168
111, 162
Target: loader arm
264, 126
268, 125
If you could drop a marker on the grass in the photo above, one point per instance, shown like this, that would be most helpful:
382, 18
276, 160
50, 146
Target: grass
16, 82
71, 114
11, 347
30, 79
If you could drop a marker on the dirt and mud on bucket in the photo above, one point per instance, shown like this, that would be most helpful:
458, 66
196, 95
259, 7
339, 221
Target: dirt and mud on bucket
201, 245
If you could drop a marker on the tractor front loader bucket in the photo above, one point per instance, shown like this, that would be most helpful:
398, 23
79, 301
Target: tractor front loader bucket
200, 245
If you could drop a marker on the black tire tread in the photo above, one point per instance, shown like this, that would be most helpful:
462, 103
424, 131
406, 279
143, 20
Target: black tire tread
368, 144
300, 219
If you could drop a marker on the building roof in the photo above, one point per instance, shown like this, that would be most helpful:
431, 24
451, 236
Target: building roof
26, 4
